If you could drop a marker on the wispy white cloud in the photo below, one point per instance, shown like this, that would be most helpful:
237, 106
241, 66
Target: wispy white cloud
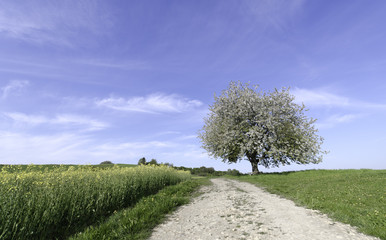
13, 87
336, 109
275, 14
26, 119
187, 137
372, 106
138, 146
22, 148
336, 119
56, 23
323, 98
124, 64
319, 98
76, 120
154, 103
65, 120
173, 151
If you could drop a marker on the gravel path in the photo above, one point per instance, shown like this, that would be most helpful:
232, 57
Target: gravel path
230, 209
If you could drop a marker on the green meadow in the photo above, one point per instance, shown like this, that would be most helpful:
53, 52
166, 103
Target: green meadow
355, 197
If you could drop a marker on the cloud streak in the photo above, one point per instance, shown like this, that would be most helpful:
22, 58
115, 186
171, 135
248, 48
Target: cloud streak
275, 13
318, 98
55, 23
321, 98
22, 148
13, 87
124, 65
64, 120
336, 109
337, 119
154, 103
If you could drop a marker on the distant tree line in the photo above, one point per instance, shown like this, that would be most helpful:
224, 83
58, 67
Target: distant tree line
142, 161
204, 171
106, 162
201, 171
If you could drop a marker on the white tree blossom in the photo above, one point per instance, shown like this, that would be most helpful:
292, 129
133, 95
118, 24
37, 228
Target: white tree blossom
266, 128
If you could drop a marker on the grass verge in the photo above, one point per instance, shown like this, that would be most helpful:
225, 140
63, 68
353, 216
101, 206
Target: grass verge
355, 197
138, 222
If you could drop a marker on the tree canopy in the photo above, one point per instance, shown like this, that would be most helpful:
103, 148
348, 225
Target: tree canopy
266, 128
142, 161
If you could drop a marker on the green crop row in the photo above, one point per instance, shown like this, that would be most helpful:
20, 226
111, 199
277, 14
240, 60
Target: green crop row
54, 204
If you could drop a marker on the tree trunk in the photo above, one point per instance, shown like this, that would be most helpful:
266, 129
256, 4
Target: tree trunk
254, 163
252, 157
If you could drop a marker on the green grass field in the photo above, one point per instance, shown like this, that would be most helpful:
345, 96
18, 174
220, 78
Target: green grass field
356, 197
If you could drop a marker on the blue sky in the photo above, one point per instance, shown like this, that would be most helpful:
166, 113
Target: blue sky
87, 81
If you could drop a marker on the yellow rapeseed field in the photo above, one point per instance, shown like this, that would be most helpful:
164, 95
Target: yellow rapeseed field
47, 203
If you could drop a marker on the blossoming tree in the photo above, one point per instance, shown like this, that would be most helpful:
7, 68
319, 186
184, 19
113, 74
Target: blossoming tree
266, 128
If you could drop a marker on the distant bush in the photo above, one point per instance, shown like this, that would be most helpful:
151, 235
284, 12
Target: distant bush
233, 172
184, 168
204, 171
167, 164
142, 161
153, 162
106, 162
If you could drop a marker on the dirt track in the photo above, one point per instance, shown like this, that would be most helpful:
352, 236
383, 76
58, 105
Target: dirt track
237, 210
